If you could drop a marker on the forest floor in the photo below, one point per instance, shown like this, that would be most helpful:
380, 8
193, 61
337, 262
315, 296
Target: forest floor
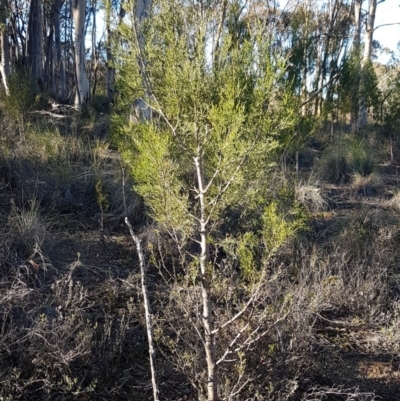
352, 353
360, 355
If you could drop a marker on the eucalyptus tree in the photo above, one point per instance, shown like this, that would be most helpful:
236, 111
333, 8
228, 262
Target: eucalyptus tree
334, 31
59, 63
32, 42
314, 36
35, 40
220, 107
82, 93
5, 56
54, 60
362, 72
366, 61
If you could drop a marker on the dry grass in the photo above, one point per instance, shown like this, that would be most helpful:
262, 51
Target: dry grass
394, 202
311, 197
77, 330
367, 186
27, 231
63, 170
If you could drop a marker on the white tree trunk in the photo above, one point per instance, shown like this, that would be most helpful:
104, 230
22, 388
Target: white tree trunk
208, 323
5, 56
369, 34
370, 30
82, 81
357, 23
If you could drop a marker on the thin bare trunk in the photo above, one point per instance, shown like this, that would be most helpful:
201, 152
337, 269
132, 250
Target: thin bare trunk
110, 79
147, 311
357, 23
48, 66
305, 60
356, 47
370, 30
317, 81
17, 33
139, 108
95, 58
61, 84
208, 323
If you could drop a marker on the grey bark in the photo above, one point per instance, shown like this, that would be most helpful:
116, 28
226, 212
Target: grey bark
208, 322
5, 56
357, 51
370, 30
49, 67
362, 120
109, 59
305, 59
148, 316
82, 94
95, 58
35, 40
60, 61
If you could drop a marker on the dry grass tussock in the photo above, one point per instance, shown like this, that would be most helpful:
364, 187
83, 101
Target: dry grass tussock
394, 202
311, 197
371, 185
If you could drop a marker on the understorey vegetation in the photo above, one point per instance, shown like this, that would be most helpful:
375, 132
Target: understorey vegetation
215, 217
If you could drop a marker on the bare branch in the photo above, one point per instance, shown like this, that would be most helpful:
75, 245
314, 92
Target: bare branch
379, 26
148, 316
231, 344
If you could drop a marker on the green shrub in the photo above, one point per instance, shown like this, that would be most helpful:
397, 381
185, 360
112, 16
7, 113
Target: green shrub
361, 159
345, 158
22, 97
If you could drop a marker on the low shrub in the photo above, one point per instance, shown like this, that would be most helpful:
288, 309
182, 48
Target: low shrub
22, 97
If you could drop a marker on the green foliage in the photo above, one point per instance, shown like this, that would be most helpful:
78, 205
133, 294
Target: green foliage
282, 218
235, 116
102, 198
246, 253
349, 81
278, 228
346, 157
157, 177
369, 87
391, 108
217, 129
22, 97
361, 158
356, 82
